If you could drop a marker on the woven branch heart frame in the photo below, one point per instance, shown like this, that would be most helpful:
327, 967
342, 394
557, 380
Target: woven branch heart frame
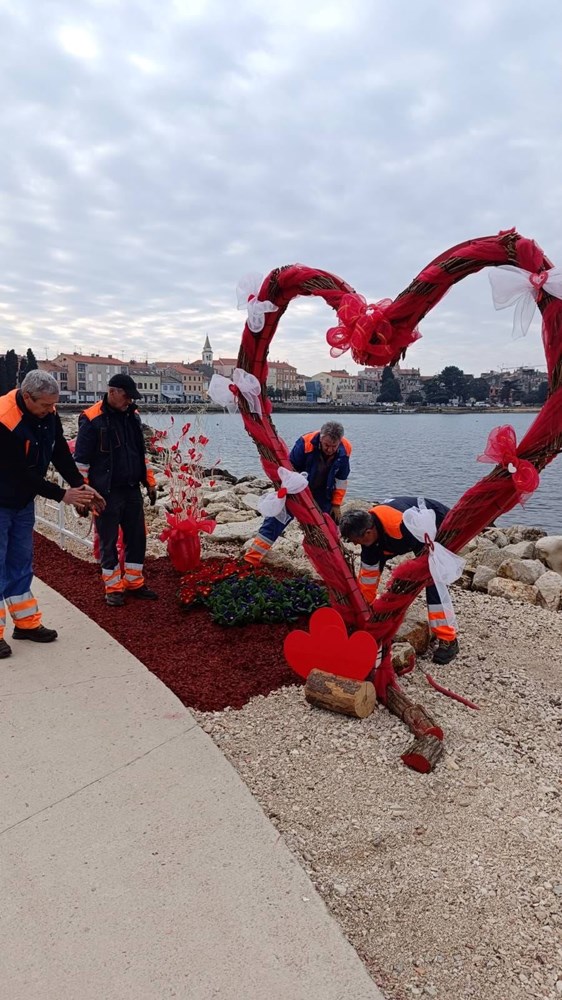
380, 337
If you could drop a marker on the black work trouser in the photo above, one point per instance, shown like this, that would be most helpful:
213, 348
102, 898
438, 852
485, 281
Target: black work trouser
124, 509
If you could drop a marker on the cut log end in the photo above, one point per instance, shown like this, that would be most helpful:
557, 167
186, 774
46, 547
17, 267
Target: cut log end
423, 755
340, 694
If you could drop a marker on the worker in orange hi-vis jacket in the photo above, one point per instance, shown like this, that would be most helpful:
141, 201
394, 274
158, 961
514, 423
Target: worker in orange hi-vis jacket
110, 454
382, 534
324, 456
31, 437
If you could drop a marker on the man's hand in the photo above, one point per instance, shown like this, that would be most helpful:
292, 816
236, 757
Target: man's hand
84, 496
335, 514
82, 511
151, 493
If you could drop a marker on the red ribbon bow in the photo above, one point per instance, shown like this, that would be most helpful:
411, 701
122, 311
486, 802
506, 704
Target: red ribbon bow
362, 327
501, 449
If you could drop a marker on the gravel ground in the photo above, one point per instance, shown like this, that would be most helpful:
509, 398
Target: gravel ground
449, 885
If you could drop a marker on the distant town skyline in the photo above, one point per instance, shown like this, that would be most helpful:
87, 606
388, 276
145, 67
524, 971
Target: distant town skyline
344, 362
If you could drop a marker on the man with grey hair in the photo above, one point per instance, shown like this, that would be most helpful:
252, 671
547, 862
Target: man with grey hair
31, 437
324, 456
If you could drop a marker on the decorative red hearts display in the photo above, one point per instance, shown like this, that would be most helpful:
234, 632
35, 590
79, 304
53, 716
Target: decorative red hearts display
328, 647
494, 495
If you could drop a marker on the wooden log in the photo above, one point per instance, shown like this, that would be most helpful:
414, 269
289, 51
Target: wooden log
340, 694
419, 722
423, 754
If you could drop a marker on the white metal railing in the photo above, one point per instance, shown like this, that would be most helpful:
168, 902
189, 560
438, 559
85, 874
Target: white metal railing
63, 519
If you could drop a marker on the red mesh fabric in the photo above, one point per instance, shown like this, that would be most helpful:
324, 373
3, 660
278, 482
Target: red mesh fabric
481, 504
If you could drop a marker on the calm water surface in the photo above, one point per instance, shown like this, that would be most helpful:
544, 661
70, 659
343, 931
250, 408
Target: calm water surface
433, 454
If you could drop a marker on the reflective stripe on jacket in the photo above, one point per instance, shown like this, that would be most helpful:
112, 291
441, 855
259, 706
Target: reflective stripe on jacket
394, 539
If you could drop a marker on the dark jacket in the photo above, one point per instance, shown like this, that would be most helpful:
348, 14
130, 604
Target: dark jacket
100, 447
394, 538
28, 445
328, 485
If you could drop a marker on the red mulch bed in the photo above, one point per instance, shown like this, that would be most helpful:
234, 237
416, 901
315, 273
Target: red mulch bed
206, 666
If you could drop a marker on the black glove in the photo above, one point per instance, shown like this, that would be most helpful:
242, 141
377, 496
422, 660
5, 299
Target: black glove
335, 514
151, 492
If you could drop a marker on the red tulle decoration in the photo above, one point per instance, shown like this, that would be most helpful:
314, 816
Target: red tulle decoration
501, 449
183, 542
360, 324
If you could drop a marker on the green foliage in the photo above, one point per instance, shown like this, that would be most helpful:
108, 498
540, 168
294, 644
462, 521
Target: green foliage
537, 397
263, 599
11, 369
27, 364
450, 384
414, 398
477, 389
390, 388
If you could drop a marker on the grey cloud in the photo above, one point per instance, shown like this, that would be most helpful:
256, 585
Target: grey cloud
253, 138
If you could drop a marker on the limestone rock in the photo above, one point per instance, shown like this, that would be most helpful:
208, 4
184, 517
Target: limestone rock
245, 489
256, 482
549, 551
522, 570
482, 577
415, 633
496, 535
512, 590
549, 587
250, 500
238, 532
523, 533
485, 554
225, 496
519, 550
228, 516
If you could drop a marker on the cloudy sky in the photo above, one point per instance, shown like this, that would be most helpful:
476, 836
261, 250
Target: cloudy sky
154, 151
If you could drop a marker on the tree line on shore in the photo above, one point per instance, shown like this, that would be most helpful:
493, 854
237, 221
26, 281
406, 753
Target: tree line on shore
448, 385
13, 369
452, 384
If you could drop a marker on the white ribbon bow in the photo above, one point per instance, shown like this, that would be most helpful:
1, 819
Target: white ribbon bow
247, 292
512, 285
221, 393
444, 566
273, 504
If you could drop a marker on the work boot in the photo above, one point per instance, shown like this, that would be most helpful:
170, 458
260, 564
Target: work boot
39, 634
143, 593
115, 599
446, 651
5, 650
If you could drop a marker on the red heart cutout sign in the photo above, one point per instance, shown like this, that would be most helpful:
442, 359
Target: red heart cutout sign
328, 647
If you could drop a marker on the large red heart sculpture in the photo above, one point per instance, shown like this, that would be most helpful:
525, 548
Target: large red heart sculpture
327, 646
379, 334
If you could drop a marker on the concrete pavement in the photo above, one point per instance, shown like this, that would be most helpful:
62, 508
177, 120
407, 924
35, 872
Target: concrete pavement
134, 863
